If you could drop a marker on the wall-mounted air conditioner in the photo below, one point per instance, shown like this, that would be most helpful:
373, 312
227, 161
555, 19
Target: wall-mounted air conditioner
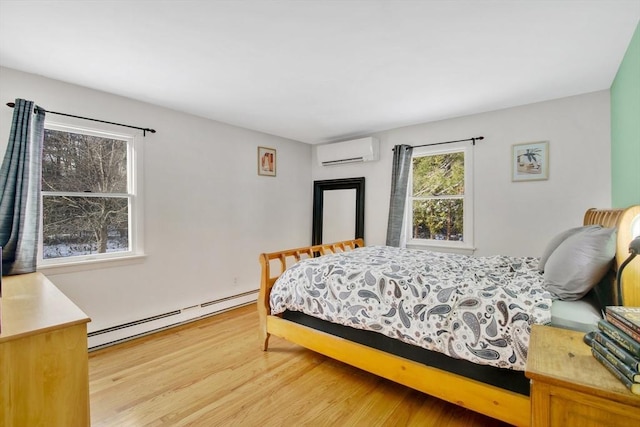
357, 150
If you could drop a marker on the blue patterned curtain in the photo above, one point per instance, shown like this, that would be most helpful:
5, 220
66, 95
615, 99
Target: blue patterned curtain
20, 177
398, 200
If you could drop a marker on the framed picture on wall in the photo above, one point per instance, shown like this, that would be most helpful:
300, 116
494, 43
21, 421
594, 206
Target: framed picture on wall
266, 161
530, 161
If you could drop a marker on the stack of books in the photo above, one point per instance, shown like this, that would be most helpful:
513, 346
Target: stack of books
616, 345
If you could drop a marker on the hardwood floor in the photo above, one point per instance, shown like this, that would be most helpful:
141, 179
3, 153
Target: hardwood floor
213, 373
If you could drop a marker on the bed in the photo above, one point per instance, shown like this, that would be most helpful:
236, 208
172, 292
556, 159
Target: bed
480, 380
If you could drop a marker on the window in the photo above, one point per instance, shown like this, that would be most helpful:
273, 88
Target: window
88, 195
440, 198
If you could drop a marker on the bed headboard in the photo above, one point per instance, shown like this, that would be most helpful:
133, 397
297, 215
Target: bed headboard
624, 220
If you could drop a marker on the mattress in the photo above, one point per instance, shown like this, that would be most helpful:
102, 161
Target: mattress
478, 309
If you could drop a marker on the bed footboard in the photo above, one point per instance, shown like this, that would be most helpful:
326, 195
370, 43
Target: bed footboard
490, 400
275, 263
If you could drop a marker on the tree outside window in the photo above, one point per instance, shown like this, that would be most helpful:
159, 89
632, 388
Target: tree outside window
438, 196
85, 192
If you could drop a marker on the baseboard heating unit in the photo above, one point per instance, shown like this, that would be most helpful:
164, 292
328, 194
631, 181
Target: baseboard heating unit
115, 334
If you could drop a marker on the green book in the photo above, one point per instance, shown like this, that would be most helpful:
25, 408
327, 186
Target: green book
618, 351
632, 374
622, 339
633, 387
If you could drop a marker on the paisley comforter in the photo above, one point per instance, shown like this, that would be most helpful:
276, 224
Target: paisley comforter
476, 308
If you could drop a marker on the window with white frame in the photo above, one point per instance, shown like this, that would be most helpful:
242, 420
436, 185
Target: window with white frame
440, 198
88, 195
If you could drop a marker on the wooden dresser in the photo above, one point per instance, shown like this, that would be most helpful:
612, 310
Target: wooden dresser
570, 388
44, 375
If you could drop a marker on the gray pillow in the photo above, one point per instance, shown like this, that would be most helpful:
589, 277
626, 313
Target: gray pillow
557, 240
580, 262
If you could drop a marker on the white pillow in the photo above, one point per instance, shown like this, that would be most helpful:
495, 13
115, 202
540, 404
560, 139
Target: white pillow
580, 262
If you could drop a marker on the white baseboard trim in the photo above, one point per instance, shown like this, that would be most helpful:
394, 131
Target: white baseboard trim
116, 334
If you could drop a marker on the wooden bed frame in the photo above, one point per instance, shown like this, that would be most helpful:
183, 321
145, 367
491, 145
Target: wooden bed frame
505, 405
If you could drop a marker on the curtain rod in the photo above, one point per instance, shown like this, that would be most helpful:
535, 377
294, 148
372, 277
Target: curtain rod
477, 138
144, 130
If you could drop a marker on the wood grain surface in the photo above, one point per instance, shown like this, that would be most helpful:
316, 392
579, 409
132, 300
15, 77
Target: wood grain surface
213, 373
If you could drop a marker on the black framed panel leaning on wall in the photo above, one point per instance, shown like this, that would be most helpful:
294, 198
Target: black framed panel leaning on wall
319, 189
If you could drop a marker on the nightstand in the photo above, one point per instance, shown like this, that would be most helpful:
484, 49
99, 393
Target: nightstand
569, 387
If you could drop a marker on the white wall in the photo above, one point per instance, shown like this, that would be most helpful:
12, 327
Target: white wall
208, 214
511, 218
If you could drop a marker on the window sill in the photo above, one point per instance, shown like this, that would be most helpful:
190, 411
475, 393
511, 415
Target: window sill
448, 248
90, 264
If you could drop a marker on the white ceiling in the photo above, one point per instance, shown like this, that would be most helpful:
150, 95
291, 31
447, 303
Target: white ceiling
318, 71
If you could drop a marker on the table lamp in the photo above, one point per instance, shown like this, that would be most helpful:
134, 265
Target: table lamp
634, 249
